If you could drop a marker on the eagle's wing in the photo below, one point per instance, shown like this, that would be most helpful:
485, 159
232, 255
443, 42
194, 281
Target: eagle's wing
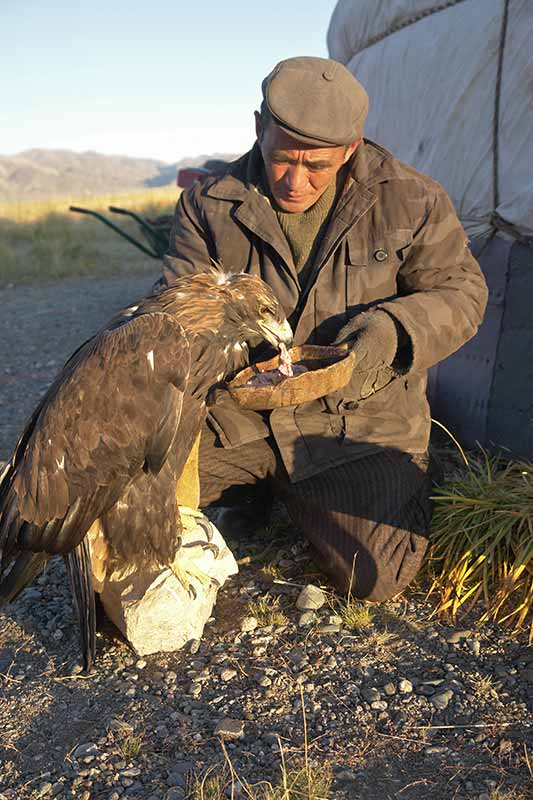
113, 411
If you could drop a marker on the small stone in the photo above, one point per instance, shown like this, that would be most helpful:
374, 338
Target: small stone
370, 694
435, 750
441, 700
405, 686
346, 775
456, 636
175, 779
248, 624
307, 618
228, 674
84, 750
379, 705
474, 646
230, 728
44, 789
31, 593
310, 598
389, 689
175, 794
184, 767
329, 628
426, 690
140, 664
265, 682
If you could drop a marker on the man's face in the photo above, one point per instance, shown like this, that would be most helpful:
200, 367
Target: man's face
297, 173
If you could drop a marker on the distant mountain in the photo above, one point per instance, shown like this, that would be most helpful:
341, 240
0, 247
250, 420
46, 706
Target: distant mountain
41, 174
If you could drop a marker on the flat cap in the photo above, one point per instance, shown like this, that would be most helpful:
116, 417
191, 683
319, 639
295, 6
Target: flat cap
316, 100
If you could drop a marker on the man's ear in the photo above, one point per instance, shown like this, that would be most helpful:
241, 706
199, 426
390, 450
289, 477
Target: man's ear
258, 126
350, 150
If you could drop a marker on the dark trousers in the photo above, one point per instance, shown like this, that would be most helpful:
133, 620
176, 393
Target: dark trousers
368, 519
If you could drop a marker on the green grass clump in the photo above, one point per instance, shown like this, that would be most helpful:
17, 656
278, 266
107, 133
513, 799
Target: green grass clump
482, 542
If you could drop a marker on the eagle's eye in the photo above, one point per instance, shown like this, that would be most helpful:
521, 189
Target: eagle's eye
264, 310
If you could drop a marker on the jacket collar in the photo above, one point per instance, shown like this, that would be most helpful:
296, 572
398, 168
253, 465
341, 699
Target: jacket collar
370, 165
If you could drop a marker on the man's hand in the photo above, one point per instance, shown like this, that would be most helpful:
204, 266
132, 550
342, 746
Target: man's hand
373, 336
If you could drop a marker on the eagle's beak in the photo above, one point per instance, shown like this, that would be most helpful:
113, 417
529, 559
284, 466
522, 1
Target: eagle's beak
278, 334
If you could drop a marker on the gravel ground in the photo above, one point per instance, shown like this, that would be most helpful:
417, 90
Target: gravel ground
406, 708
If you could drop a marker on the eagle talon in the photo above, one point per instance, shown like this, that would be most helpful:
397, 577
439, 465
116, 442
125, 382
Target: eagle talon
207, 528
215, 549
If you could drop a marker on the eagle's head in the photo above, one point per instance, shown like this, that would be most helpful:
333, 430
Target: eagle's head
257, 311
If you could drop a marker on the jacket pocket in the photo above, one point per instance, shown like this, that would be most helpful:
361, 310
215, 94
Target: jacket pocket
372, 268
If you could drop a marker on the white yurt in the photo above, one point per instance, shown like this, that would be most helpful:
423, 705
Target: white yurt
451, 93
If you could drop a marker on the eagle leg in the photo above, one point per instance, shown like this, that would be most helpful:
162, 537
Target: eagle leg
182, 574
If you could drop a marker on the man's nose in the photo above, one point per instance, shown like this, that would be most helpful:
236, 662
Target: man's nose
296, 178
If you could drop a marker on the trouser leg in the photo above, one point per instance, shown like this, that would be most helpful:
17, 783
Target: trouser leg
236, 477
368, 520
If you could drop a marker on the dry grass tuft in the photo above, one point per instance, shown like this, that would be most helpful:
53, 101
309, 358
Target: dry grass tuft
483, 542
305, 783
355, 615
131, 746
128, 743
506, 794
483, 687
268, 611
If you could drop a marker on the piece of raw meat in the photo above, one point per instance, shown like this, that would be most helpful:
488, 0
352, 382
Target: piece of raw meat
285, 370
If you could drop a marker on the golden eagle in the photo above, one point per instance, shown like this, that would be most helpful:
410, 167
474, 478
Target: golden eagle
108, 442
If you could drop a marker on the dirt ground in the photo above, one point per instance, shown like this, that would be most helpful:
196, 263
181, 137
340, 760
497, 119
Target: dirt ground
408, 708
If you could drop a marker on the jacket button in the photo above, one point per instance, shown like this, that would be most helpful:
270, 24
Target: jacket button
381, 255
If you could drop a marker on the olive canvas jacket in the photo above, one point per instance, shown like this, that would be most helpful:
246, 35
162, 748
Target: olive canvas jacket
394, 243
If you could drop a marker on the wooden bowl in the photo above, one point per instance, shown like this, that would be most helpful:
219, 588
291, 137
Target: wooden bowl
328, 369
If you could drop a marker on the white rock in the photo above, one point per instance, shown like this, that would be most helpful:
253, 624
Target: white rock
248, 624
310, 598
306, 618
405, 686
154, 611
230, 728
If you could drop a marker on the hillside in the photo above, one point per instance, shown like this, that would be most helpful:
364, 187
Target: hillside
41, 174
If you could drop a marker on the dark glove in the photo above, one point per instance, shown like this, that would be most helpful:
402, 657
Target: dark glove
373, 336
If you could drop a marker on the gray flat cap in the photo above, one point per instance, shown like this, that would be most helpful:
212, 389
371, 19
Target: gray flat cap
316, 100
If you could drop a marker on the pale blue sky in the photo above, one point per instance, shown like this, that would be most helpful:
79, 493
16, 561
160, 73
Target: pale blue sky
157, 79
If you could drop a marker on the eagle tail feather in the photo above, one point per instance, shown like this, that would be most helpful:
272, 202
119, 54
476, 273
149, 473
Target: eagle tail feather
26, 567
78, 564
